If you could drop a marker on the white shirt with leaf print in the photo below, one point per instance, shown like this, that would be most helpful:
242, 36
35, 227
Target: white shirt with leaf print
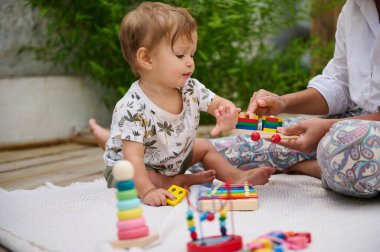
167, 138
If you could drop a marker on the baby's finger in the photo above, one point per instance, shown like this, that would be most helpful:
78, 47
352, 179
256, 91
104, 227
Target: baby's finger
215, 131
232, 110
221, 109
150, 202
169, 195
157, 200
162, 199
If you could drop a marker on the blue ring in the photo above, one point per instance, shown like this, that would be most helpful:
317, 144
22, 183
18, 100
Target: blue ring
128, 204
125, 185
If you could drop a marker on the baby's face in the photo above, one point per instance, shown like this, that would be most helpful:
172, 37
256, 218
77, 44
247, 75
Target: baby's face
174, 66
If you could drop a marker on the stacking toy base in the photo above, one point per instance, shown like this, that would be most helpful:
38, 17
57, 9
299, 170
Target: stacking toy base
138, 242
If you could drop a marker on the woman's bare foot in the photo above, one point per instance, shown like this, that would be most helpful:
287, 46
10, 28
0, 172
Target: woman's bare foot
307, 167
256, 176
182, 180
100, 134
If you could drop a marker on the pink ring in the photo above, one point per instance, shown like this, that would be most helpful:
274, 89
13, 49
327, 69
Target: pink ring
130, 224
132, 234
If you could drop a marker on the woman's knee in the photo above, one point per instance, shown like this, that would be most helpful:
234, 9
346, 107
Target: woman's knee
349, 157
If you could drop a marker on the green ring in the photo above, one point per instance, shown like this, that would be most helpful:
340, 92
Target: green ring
127, 194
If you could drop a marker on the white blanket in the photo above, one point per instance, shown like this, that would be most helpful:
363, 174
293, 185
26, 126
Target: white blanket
82, 217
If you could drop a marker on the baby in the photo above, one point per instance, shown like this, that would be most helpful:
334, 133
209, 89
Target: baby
154, 125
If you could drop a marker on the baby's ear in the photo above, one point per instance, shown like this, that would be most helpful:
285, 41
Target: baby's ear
143, 58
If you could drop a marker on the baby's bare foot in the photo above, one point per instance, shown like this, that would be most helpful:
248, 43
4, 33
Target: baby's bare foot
99, 133
187, 180
256, 176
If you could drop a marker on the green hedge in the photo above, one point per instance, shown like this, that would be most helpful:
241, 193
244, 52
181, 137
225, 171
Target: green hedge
233, 58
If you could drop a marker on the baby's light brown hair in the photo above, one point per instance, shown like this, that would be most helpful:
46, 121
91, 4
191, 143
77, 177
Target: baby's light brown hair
148, 24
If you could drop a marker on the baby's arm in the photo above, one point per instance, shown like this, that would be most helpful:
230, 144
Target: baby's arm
225, 113
148, 192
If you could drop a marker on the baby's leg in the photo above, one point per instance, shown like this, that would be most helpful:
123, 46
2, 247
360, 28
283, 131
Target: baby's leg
99, 133
212, 160
182, 180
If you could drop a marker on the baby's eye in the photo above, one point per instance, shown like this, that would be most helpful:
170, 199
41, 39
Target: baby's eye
192, 55
180, 56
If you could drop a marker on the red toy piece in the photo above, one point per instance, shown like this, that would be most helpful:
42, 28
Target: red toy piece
226, 243
255, 136
275, 138
258, 134
210, 216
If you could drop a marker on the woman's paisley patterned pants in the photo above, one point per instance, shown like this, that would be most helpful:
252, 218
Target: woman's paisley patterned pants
348, 155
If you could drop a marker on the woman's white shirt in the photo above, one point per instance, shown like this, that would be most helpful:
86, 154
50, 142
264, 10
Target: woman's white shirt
352, 76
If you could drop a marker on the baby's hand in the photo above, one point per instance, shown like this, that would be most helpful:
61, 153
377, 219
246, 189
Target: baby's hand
226, 118
157, 197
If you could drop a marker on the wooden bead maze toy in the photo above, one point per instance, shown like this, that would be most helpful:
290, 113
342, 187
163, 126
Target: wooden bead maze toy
242, 197
221, 243
132, 229
248, 124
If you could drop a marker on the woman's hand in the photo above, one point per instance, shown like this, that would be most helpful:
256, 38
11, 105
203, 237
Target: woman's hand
157, 197
310, 132
226, 118
265, 103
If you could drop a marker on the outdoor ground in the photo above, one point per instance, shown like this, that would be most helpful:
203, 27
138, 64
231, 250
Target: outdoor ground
78, 160
60, 164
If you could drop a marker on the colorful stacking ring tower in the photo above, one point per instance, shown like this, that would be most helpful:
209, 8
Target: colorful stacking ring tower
131, 222
131, 228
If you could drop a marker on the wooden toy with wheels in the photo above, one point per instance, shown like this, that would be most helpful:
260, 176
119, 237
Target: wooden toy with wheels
249, 125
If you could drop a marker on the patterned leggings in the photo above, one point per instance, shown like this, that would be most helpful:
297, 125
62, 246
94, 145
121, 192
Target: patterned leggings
349, 155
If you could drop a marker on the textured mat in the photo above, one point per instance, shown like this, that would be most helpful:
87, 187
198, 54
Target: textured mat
82, 217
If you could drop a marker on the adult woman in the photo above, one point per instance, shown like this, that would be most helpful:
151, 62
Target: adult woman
348, 152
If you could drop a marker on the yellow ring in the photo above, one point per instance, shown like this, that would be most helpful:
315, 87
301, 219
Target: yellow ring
130, 214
